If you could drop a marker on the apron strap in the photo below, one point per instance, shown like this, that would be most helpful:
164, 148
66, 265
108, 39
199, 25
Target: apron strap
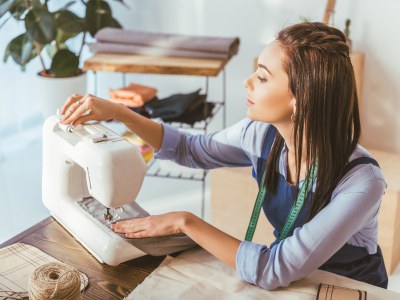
359, 161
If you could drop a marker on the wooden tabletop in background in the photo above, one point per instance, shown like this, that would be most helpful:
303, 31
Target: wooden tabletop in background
106, 282
148, 64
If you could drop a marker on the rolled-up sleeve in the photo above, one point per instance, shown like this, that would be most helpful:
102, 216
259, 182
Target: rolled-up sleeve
169, 143
220, 149
313, 244
247, 259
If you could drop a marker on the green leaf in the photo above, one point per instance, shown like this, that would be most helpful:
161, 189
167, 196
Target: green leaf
65, 7
52, 50
7, 53
18, 9
63, 36
5, 5
64, 63
36, 3
304, 19
123, 3
98, 15
20, 49
70, 22
40, 25
34, 52
115, 24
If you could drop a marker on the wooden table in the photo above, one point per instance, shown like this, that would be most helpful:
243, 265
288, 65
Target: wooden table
106, 282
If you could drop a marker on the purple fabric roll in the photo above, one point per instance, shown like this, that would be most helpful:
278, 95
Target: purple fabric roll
144, 50
139, 42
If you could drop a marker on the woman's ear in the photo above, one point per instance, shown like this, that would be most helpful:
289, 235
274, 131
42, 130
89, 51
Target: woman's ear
293, 103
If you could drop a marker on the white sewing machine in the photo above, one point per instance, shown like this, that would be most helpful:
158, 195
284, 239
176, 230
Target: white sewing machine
90, 161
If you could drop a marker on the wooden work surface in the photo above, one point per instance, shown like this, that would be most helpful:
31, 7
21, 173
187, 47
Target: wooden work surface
106, 282
132, 63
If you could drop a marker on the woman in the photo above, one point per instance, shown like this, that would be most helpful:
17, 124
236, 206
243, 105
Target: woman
303, 118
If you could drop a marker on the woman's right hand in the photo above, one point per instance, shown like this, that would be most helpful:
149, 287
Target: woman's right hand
100, 109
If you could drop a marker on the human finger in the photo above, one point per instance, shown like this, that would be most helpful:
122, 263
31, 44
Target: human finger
74, 106
87, 105
129, 229
132, 222
85, 118
137, 235
69, 101
123, 224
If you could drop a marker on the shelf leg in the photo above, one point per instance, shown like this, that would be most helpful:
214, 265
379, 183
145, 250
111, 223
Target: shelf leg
224, 96
206, 87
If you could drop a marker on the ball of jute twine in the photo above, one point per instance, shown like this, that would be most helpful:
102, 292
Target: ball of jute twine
55, 280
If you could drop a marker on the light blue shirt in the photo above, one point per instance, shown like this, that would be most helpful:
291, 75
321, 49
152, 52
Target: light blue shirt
351, 216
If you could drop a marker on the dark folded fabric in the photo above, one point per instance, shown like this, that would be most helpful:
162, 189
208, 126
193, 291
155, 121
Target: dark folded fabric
142, 110
173, 106
195, 104
201, 113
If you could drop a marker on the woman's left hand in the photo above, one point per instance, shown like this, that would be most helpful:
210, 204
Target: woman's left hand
157, 225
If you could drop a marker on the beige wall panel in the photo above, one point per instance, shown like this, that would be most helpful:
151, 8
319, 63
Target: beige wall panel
358, 62
233, 194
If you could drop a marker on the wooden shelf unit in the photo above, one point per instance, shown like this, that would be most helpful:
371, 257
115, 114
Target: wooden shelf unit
147, 64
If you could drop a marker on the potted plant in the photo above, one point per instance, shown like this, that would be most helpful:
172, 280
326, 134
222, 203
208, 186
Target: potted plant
347, 33
49, 31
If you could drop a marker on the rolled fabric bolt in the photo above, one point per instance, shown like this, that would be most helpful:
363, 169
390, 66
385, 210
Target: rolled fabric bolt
69, 128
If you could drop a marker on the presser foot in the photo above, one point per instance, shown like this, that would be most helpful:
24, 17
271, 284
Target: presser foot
108, 216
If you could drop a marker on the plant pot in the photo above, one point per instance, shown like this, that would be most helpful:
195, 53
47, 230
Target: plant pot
54, 91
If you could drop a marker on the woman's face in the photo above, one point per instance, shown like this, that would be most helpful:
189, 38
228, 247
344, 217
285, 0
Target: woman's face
268, 96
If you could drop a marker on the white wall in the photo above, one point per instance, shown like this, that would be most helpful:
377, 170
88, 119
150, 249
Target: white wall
374, 29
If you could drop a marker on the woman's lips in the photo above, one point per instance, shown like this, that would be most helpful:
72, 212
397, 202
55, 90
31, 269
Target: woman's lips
248, 102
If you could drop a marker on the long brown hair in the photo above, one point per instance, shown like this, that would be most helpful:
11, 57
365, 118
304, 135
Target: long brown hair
321, 78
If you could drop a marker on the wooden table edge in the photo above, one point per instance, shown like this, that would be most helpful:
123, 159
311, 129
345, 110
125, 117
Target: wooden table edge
27, 232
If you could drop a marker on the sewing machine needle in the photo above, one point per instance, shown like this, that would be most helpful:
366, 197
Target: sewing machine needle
108, 216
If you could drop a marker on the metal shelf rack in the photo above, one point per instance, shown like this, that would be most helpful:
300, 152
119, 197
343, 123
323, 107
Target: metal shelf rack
129, 63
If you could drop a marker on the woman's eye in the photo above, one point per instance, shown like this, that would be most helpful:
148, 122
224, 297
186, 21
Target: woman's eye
261, 79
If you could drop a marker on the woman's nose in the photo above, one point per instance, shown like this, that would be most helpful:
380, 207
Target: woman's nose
248, 84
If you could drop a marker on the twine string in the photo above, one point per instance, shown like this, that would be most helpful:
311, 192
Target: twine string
14, 293
75, 272
45, 283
